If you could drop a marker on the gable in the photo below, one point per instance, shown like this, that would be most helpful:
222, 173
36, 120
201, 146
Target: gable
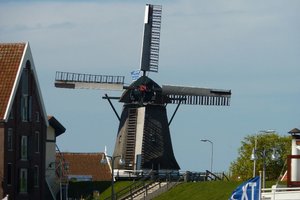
13, 58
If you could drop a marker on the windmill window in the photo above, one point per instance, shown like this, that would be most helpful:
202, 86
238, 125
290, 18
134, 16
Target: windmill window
10, 139
120, 139
153, 138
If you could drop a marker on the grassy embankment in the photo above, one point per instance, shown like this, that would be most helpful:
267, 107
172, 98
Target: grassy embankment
211, 190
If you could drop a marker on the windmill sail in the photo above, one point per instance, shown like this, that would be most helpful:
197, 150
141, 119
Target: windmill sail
88, 81
150, 45
197, 96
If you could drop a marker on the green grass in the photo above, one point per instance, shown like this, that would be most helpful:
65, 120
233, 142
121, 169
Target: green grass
213, 190
117, 186
210, 190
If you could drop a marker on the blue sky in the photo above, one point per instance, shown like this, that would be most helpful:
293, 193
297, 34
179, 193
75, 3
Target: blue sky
250, 47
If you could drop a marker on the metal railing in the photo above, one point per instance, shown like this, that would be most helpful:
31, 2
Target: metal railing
145, 182
141, 182
216, 176
153, 181
88, 78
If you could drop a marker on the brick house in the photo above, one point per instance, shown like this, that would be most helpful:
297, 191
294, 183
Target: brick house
23, 125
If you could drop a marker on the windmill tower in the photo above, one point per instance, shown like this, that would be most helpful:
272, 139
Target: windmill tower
143, 137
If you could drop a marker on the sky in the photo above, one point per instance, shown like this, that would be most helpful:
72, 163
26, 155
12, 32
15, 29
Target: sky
251, 47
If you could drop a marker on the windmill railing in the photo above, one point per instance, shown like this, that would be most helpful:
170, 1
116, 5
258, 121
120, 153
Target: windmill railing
88, 78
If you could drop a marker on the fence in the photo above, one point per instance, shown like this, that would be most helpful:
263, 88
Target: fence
280, 193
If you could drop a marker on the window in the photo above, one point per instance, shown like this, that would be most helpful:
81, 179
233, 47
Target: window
37, 141
37, 115
26, 102
11, 115
10, 139
24, 147
9, 173
26, 98
36, 176
23, 180
25, 79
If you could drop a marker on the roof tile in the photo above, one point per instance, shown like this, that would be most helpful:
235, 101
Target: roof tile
88, 164
10, 58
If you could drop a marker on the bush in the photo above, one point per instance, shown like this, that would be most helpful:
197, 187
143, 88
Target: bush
86, 188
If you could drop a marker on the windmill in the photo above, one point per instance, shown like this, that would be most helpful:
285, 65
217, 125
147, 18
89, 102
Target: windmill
143, 137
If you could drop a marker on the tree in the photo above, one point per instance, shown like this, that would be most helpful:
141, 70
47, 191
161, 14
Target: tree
242, 167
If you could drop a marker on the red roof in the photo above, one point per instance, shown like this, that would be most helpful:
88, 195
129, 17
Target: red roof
10, 58
87, 164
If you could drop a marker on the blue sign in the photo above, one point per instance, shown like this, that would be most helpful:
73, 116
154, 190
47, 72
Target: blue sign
249, 190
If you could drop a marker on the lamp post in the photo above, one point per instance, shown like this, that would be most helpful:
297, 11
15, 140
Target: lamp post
212, 153
121, 162
263, 153
255, 144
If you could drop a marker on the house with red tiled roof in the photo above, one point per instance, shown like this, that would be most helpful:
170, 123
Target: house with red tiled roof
23, 126
85, 173
86, 167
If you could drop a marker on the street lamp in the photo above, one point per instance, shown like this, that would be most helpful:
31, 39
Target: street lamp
121, 162
274, 157
255, 144
212, 153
